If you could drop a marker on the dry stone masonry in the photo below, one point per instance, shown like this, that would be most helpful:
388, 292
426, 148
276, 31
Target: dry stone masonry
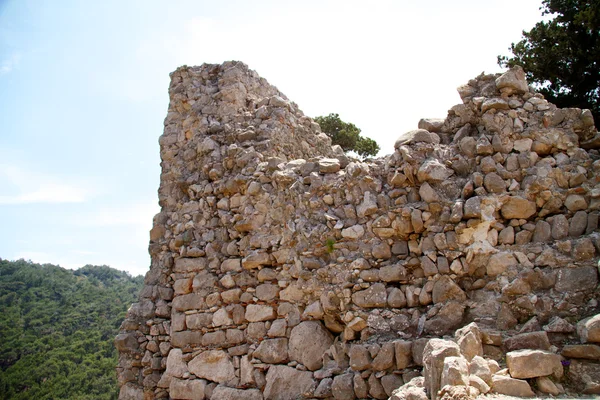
463, 263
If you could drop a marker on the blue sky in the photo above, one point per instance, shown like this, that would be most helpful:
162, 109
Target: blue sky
83, 95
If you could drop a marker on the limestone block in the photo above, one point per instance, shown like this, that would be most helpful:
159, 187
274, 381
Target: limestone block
589, 329
529, 340
518, 207
360, 358
272, 351
342, 387
374, 296
445, 289
434, 354
512, 82
189, 389
533, 363
455, 372
503, 384
283, 383
259, 312
226, 393
309, 340
214, 365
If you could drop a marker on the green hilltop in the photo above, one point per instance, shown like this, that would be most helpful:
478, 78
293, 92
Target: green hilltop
57, 328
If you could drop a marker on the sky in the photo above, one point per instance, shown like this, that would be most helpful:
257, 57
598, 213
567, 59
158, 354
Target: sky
84, 92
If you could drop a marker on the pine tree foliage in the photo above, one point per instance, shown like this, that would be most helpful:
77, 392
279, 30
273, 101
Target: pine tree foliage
347, 135
561, 55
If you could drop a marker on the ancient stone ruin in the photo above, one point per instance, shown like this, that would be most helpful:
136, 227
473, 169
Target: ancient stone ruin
464, 263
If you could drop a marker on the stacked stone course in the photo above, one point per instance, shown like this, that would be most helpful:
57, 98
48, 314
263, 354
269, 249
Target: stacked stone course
283, 269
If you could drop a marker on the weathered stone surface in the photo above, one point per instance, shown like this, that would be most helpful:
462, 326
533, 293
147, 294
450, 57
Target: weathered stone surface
455, 372
433, 171
500, 262
392, 273
529, 340
479, 367
434, 354
413, 390
354, 232
586, 351
512, 81
445, 289
518, 207
588, 329
190, 389
265, 227
503, 384
360, 358
385, 357
403, 354
575, 202
227, 393
214, 365
416, 136
257, 313
342, 387
468, 339
283, 383
390, 383
308, 341
533, 363
576, 279
545, 385
374, 296
584, 376
272, 351
126, 342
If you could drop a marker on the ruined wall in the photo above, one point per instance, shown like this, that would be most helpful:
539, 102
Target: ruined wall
282, 268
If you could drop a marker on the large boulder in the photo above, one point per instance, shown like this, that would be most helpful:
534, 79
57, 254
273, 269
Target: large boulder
529, 340
525, 364
284, 383
589, 329
517, 208
309, 340
416, 136
503, 384
214, 365
272, 351
512, 81
469, 341
434, 354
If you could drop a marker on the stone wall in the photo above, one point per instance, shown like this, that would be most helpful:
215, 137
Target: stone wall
283, 269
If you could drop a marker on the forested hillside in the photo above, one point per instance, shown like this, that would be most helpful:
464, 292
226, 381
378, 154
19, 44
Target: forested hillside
57, 328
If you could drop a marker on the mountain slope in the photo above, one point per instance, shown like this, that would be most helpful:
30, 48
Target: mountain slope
57, 328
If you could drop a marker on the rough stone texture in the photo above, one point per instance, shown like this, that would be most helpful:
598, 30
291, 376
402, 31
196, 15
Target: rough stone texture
489, 214
342, 387
283, 383
214, 365
227, 393
511, 386
589, 329
530, 340
533, 363
434, 354
308, 341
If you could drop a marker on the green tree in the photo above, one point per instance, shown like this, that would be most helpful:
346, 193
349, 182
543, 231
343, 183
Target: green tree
561, 56
347, 135
57, 328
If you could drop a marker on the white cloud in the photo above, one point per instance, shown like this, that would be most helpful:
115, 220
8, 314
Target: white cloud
10, 63
34, 188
